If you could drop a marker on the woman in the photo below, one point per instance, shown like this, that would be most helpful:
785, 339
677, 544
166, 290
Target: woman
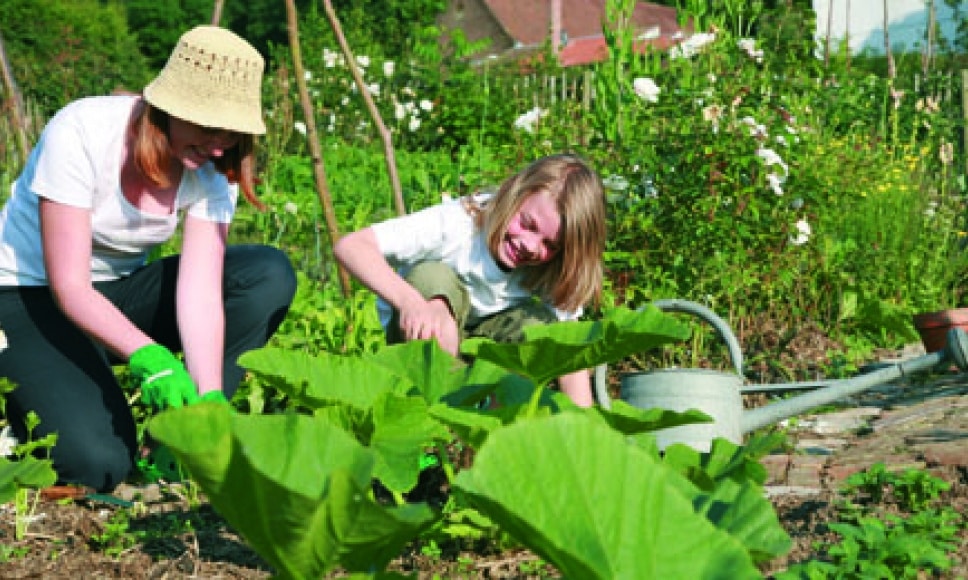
110, 179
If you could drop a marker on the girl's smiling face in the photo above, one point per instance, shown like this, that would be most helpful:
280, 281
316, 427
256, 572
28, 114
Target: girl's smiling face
533, 234
194, 145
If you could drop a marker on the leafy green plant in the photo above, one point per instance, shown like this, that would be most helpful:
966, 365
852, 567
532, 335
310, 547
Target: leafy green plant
116, 537
308, 507
916, 489
887, 546
26, 474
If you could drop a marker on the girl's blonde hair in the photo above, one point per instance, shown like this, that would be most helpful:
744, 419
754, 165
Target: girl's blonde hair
152, 154
573, 278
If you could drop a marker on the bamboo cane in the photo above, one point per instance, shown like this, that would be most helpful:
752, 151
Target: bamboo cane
19, 115
374, 113
319, 171
217, 12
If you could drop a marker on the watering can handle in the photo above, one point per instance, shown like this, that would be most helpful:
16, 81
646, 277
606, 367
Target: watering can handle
722, 328
600, 377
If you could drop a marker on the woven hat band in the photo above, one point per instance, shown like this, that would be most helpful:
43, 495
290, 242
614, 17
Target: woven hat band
213, 78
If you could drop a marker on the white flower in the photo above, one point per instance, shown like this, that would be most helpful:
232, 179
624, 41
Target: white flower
330, 58
363, 61
7, 442
374, 89
388, 68
300, 126
615, 183
344, 101
290, 208
803, 233
946, 153
426, 105
712, 114
527, 121
414, 124
756, 129
776, 183
692, 45
770, 157
646, 89
748, 45
399, 111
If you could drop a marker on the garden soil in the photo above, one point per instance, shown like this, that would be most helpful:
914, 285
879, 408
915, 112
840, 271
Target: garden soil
910, 424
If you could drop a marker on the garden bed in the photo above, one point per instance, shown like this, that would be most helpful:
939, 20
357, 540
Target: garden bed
166, 538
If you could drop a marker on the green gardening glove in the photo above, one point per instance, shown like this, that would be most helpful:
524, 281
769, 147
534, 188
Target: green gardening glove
213, 397
164, 380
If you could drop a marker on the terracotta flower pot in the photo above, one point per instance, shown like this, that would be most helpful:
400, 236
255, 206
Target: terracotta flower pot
933, 326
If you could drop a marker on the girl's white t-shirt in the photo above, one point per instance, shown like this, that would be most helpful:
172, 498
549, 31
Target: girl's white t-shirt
446, 233
77, 162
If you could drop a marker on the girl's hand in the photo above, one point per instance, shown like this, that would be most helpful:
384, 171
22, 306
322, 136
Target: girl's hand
431, 319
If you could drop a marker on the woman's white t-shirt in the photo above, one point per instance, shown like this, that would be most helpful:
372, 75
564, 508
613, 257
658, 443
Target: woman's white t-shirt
446, 233
77, 162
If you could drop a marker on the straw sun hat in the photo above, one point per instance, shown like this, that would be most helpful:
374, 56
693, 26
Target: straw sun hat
213, 78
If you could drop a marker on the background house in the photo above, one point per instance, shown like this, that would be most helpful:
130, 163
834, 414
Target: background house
863, 22
518, 28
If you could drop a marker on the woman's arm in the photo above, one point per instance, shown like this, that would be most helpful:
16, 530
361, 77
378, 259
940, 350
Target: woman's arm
198, 299
360, 254
66, 238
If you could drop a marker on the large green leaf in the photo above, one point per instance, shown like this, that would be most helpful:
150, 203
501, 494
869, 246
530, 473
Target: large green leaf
403, 428
29, 472
318, 380
630, 419
575, 492
731, 478
483, 378
425, 365
294, 486
742, 510
580, 345
470, 426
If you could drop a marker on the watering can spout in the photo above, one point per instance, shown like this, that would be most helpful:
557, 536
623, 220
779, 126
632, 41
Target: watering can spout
954, 352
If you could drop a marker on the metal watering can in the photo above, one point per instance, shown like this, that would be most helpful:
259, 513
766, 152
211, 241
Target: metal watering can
719, 394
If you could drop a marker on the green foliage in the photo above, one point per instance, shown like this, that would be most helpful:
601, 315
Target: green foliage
306, 508
913, 489
159, 24
887, 546
116, 537
27, 472
76, 49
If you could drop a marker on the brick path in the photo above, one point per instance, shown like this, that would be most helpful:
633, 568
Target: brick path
917, 422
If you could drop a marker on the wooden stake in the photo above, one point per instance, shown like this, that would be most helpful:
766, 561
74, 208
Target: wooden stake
319, 171
217, 12
370, 106
19, 114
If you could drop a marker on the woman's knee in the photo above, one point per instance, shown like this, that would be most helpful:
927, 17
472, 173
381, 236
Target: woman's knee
262, 274
100, 464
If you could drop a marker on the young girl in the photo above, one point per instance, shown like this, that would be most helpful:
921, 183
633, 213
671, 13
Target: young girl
110, 179
474, 266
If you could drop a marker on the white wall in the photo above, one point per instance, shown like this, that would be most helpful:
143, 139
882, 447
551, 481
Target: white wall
907, 22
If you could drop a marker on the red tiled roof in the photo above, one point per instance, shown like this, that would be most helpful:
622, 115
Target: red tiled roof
594, 49
528, 21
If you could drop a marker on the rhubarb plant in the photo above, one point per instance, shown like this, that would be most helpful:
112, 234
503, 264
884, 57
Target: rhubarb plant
569, 483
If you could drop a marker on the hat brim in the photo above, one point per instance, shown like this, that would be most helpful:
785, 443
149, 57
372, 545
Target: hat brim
206, 112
